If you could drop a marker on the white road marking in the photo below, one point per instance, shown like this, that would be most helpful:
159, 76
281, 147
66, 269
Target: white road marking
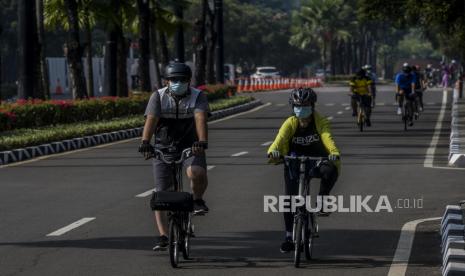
347, 108
267, 143
70, 227
145, 194
437, 131
210, 167
345, 104
339, 112
430, 103
280, 104
380, 104
404, 247
119, 142
239, 154
330, 118
329, 104
239, 114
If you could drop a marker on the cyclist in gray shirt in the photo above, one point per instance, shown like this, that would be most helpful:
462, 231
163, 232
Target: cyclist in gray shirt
177, 116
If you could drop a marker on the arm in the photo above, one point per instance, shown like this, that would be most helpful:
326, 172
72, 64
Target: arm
149, 127
201, 125
281, 142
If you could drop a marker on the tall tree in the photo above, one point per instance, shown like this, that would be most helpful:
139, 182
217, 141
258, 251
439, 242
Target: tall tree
154, 46
74, 52
43, 79
179, 36
88, 24
144, 45
199, 43
25, 49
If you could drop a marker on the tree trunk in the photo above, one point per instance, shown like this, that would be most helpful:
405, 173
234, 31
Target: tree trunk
154, 52
42, 62
323, 57
90, 70
1, 75
25, 50
110, 64
179, 35
211, 39
333, 56
144, 45
165, 55
74, 52
200, 47
122, 89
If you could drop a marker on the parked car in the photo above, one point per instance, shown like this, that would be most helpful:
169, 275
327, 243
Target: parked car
266, 72
320, 73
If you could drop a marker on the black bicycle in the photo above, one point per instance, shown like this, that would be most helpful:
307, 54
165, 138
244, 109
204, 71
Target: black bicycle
178, 203
305, 223
409, 111
361, 111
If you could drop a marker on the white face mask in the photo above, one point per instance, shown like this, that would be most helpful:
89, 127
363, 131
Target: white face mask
178, 88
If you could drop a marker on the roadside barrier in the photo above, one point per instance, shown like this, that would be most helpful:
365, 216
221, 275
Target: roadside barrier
457, 137
453, 240
252, 84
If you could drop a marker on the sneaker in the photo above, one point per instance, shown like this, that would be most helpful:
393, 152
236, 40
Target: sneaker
322, 213
162, 244
399, 111
199, 207
287, 246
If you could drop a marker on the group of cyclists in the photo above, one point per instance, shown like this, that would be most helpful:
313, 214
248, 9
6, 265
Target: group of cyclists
176, 115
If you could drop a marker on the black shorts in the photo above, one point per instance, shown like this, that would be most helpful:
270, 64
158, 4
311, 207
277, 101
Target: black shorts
162, 173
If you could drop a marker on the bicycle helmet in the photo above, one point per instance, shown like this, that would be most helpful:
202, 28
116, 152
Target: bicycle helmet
178, 70
302, 96
367, 67
406, 68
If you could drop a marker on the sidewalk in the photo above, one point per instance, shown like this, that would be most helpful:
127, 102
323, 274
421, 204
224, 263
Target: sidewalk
457, 135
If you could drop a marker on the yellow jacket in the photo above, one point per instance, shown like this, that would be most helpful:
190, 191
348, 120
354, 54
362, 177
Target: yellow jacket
289, 127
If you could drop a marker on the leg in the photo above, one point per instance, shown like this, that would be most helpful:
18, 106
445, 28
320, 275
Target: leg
198, 180
161, 219
353, 103
328, 174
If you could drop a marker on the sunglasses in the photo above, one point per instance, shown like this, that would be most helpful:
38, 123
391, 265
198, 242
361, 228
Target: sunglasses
179, 79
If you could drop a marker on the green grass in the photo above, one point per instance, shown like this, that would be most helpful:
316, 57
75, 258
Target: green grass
20, 138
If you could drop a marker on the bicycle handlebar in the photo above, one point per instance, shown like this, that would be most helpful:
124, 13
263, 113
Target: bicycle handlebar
160, 155
305, 158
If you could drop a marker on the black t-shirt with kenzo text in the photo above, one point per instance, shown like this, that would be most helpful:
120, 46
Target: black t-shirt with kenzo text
307, 141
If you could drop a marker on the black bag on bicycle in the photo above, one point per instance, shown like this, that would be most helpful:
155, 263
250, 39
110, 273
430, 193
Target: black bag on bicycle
172, 201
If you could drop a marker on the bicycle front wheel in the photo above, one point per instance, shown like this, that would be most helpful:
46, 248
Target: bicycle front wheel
187, 232
308, 238
297, 241
174, 243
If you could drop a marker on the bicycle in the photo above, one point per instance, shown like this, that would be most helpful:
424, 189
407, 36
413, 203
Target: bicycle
178, 203
361, 111
305, 223
409, 111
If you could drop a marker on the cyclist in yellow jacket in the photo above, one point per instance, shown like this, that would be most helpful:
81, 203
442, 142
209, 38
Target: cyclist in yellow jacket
305, 133
361, 88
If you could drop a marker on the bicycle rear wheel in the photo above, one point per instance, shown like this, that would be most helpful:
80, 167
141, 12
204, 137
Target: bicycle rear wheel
297, 241
174, 243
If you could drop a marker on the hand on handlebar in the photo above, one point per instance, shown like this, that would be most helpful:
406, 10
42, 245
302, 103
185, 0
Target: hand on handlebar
199, 147
146, 149
333, 157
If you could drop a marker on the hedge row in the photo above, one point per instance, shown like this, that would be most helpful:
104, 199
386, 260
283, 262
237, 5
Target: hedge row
21, 138
37, 113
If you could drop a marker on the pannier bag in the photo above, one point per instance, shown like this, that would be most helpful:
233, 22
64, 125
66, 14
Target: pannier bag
172, 201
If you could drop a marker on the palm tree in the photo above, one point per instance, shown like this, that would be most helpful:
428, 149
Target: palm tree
26, 74
144, 44
73, 16
322, 22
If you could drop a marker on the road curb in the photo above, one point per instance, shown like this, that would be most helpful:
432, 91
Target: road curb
452, 240
457, 141
22, 154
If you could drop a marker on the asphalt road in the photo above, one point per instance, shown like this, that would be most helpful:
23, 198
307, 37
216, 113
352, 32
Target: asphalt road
236, 237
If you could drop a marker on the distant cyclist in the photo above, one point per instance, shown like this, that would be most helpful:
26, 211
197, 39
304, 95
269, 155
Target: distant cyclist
445, 74
177, 115
372, 75
360, 86
405, 87
419, 84
305, 133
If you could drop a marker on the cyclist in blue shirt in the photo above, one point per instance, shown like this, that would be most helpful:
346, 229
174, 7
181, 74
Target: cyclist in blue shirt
405, 86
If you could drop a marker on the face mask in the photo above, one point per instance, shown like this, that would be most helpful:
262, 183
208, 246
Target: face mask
178, 88
302, 112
